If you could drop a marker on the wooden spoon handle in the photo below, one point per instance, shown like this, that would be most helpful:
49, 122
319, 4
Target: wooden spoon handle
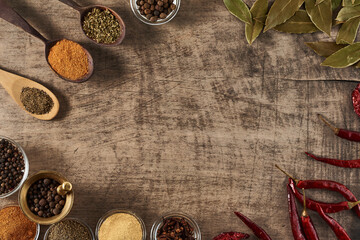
72, 4
8, 14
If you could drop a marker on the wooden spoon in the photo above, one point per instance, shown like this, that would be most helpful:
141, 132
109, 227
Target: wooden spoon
84, 10
9, 14
14, 84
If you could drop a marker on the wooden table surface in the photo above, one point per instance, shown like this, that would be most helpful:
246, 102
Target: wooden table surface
184, 117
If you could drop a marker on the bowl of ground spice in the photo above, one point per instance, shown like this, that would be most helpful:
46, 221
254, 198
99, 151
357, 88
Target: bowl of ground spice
174, 226
69, 229
70, 61
120, 224
155, 12
15, 225
14, 167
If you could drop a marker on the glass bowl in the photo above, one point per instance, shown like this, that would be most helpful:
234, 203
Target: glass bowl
73, 219
134, 8
112, 212
26, 170
37, 225
158, 223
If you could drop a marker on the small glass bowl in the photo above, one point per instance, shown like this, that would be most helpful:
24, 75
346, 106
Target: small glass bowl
37, 225
114, 211
26, 170
158, 223
72, 219
134, 8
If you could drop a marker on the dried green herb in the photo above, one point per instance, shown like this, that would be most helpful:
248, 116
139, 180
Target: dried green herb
239, 9
343, 58
348, 31
325, 49
36, 101
320, 15
299, 23
347, 3
101, 26
258, 10
347, 13
280, 11
318, 2
335, 4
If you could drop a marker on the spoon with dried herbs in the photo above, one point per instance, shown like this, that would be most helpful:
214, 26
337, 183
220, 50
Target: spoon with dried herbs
68, 59
34, 98
100, 24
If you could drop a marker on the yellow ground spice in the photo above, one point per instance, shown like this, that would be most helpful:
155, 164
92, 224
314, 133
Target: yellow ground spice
15, 225
121, 226
69, 59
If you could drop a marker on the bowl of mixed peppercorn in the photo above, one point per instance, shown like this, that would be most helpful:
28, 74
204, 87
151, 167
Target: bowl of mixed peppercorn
14, 167
155, 12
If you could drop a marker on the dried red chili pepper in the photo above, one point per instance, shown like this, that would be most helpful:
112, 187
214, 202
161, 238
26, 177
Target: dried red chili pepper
294, 217
308, 226
335, 226
337, 162
258, 231
356, 99
327, 207
343, 133
232, 236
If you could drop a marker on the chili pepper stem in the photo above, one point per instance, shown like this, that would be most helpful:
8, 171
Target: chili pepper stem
287, 174
304, 213
353, 204
332, 127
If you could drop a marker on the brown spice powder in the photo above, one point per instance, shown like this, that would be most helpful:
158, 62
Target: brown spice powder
14, 225
69, 59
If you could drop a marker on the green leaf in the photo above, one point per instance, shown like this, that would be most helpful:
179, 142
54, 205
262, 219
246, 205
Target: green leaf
357, 65
325, 49
318, 2
239, 9
347, 3
343, 58
347, 13
280, 11
299, 23
320, 15
335, 4
348, 31
258, 11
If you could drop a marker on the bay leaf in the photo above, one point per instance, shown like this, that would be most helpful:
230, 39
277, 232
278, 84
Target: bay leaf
347, 3
335, 4
258, 11
344, 57
239, 9
299, 23
280, 11
347, 13
318, 2
325, 49
348, 31
320, 15
357, 65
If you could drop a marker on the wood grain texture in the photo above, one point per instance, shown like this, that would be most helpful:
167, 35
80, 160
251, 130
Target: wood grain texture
185, 117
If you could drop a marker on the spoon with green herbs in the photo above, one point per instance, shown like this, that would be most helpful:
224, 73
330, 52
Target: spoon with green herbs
10, 15
34, 98
100, 24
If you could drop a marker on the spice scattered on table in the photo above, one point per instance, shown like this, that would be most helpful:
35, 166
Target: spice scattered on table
101, 26
12, 166
15, 225
337, 162
43, 199
343, 133
307, 223
232, 236
121, 226
155, 9
69, 229
257, 230
175, 228
36, 101
69, 60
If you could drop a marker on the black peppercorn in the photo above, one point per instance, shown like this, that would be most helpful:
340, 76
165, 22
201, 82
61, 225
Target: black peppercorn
154, 10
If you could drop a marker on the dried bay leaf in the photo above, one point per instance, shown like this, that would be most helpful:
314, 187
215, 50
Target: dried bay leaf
280, 11
258, 11
344, 57
347, 3
348, 31
325, 49
239, 9
320, 15
347, 13
318, 2
335, 4
299, 23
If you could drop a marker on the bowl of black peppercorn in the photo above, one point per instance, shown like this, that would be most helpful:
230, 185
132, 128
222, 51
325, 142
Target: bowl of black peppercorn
14, 167
155, 12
